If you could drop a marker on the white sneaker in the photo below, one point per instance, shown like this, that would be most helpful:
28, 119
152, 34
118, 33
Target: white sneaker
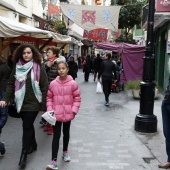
52, 166
66, 157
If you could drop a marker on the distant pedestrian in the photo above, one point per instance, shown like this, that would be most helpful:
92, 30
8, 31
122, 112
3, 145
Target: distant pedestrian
73, 68
166, 124
4, 77
28, 84
64, 98
97, 66
79, 62
107, 70
87, 67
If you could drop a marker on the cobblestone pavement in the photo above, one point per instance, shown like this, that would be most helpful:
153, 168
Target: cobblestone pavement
102, 138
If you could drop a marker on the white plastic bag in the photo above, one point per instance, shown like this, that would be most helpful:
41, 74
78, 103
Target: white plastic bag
99, 88
49, 117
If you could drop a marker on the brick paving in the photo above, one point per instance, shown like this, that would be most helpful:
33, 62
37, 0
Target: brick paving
102, 138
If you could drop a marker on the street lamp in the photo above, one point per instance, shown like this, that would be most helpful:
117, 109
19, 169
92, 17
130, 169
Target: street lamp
146, 121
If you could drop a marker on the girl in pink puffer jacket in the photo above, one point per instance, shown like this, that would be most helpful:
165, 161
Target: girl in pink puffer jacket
64, 98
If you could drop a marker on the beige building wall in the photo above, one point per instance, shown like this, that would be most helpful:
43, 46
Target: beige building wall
24, 10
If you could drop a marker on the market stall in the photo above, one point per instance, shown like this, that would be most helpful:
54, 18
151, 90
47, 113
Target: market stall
132, 59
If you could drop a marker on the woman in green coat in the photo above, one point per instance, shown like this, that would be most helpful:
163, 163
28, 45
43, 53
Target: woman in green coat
28, 86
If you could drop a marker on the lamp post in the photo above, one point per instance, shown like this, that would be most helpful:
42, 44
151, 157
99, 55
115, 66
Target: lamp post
146, 121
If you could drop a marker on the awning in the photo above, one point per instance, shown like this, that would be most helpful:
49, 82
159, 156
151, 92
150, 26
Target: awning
10, 28
160, 19
7, 5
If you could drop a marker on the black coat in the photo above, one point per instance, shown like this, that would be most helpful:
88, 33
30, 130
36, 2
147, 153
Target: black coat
88, 65
52, 72
73, 69
107, 70
97, 64
4, 75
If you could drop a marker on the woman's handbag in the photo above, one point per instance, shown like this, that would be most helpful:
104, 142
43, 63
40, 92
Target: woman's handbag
49, 117
12, 111
99, 88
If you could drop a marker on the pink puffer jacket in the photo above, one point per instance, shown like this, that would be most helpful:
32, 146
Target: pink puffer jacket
64, 98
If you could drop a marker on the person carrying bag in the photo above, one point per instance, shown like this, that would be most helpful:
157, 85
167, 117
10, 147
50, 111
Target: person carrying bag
99, 88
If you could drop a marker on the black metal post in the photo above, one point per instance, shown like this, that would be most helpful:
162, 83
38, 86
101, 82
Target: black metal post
146, 121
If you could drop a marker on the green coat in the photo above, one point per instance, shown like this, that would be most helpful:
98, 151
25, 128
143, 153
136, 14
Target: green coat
30, 102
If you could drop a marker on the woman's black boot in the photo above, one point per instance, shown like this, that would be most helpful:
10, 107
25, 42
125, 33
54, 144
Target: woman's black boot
33, 147
23, 159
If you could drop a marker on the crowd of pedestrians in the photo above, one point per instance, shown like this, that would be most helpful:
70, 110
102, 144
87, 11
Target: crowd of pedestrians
37, 86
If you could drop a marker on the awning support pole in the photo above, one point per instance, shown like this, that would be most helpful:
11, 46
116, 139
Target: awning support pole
45, 44
0, 46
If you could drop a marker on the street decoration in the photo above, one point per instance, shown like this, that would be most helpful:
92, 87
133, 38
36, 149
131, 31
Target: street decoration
91, 17
88, 16
53, 10
96, 34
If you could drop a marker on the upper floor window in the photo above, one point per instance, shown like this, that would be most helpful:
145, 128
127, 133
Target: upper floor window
22, 2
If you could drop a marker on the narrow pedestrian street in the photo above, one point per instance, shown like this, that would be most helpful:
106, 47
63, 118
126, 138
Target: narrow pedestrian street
101, 138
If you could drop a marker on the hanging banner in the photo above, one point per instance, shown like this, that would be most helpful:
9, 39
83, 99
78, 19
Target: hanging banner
91, 17
96, 34
53, 10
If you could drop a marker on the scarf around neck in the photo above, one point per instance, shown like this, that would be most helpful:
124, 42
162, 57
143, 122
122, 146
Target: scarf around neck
20, 79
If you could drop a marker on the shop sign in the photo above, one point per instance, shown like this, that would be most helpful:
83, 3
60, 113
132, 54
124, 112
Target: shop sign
32, 40
162, 5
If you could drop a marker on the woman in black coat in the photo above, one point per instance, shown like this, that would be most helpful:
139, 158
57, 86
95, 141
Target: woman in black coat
106, 71
87, 68
73, 68
4, 77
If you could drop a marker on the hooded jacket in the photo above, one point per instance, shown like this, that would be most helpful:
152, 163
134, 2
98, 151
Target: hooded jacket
64, 98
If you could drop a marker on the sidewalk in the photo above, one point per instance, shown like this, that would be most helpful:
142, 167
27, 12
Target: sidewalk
102, 138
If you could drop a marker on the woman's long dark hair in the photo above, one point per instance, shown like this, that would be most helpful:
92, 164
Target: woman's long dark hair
19, 52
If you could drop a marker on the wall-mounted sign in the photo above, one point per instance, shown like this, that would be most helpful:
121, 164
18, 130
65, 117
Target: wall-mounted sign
168, 42
162, 5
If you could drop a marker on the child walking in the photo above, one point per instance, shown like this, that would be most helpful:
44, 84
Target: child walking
64, 99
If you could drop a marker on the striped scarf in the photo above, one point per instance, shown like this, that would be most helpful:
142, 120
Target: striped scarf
20, 79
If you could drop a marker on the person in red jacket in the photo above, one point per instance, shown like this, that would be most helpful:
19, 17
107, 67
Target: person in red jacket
63, 97
50, 67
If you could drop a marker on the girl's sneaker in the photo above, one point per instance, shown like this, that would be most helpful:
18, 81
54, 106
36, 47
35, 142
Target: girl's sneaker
66, 157
52, 166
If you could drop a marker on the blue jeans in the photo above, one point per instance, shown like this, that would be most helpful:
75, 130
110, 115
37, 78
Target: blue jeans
166, 126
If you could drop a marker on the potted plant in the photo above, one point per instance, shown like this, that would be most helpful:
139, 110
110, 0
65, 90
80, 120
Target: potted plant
134, 85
